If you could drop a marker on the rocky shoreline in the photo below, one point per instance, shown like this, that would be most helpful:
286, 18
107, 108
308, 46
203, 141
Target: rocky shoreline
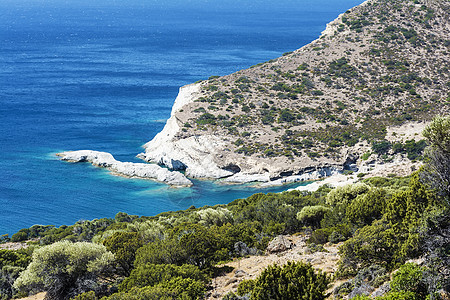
127, 169
198, 157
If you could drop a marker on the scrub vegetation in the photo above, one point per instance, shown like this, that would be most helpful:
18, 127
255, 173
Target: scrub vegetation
381, 64
381, 223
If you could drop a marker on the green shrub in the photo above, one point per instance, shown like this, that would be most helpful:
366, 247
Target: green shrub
366, 208
312, 215
291, 281
151, 275
366, 155
345, 194
20, 236
65, 269
395, 237
86, 296
381, 147
246, 287
320, 236
409, 278
175, 289
206, 118
124, 246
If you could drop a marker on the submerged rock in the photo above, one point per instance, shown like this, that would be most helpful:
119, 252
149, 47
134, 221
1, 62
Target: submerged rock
128, 169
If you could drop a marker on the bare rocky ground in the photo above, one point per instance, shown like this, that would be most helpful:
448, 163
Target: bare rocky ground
251, 267
39, 296
13, 246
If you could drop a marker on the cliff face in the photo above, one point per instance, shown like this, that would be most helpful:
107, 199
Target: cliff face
381, 64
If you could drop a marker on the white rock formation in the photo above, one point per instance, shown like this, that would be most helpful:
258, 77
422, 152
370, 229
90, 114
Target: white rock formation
140, 170
194, 154
244, 178
315, 175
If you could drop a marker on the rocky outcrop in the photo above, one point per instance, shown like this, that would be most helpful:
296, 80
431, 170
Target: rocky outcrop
195, 154
279, 244
128, 169
308, 176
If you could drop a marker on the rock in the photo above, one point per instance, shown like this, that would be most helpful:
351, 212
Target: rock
245, 178
364, 289
241, 249
195, 154
382, 290
128, 169
319, 173
279, 244
317, 261
240, 273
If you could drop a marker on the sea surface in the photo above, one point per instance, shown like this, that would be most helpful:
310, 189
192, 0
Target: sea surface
103, 75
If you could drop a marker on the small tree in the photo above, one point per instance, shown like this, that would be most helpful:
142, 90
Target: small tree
437, 170
124, 246
312, 215
65, 269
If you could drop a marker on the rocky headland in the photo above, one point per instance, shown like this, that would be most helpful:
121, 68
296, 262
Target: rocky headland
375, 75
352, 100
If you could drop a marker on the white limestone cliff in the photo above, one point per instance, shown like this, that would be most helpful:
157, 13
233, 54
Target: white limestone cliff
203, 156
128, 169
195, 154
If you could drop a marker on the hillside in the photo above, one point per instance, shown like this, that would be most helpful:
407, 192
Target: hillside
379, 238
381, 64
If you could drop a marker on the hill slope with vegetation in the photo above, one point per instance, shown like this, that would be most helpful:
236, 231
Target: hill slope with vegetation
379, 224
381, 64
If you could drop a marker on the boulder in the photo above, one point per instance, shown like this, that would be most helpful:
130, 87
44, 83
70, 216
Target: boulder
279, 244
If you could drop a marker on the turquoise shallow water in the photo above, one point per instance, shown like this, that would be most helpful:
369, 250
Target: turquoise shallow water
103, 75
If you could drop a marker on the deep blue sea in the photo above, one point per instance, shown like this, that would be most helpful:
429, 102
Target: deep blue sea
103, 75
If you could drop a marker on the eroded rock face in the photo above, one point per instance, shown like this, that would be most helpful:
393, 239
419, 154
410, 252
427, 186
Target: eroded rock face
196, 154
206, 156
128, 169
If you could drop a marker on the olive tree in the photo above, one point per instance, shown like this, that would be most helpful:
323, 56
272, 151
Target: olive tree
65, 269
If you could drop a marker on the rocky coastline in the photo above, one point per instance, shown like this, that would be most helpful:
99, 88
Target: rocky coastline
307, 115
127, 169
